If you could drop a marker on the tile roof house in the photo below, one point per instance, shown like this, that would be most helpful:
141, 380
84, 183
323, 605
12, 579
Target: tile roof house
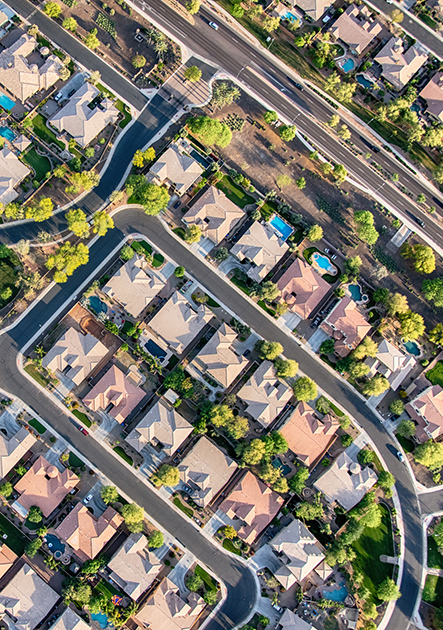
69, 620
219, 359
427, 411
134, 567
392, 363
166, 610
26, 600
134, 285
85, 533
7, 559
12, 172
313, 8
21, 143
206, 469
398, 66
254, 504
82, 122
116, 390
215, 214
20, 77
162, 426
302, 288
13, 448
432, 93
265, 395
299, 552
356, 28
291, 621
261, 246
309, 437
45, 486
178, 323
346, 482
75, 354
176, 168
347, 325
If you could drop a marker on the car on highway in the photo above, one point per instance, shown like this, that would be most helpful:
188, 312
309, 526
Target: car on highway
400, 457
82, 430
295, 84
213, 25
87, 499
419, 221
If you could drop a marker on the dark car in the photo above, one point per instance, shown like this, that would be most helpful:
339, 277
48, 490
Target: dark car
420, 221
295, 84
82, 430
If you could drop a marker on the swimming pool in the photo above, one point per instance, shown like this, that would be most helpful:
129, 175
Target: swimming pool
277, 463
97, 305
101, 618
348, 65
54, 543
412, 348
364, 82
338, 595
281, 226
7, 133
323, 263
355, 291
155, 350
6, 102
290, 17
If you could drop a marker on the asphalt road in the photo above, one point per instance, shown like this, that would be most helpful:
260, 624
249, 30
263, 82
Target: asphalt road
431, 502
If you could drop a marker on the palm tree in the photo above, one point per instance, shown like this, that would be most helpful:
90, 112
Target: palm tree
160, 47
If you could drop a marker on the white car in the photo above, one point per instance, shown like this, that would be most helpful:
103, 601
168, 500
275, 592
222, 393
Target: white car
213, 25
87, 499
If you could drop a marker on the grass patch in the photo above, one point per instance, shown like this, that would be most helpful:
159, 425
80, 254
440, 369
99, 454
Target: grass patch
32, 371
15, 540
338, 412
106, 92
265, 307
123, 109
35, 424
75, 461
369, 547
408, 445
436, 374
212, 303
229, 546
82, 417
138, 246
234, 193
267, 210
39, 163
157, 260
240, 284
428, 21
123, 455
45, 134
32, 526
184, 508
106, 589
435, 559
210, 583
180, 232
433, 590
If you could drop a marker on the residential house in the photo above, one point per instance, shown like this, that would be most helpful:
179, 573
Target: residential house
176, 168
346, 482
265, 395
262, 247
69, 620
302, 288
162, 427
432, 93
308, 437
12, 173
206, 469
6, 15
21, 143
178, 323
398, 65
13, 448
299, 553
391, 363
87, 534
133, 567
314, 9
215, 214
426, 410
22, 77
347, 326
218, 358
254, 504
7, 559
291, 621
134, 285
75, 355
84, 116
26, 600
44, 486
115, 394
167, 610
356, 28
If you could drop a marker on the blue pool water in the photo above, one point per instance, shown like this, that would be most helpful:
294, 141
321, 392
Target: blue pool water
277, 463
339, 595
281, 226
412, 348
101, 618
5, 132
348, 65
364, 82
324, 263
355, 291
97, 304
6, 102
54, 543
290, 16
154, 349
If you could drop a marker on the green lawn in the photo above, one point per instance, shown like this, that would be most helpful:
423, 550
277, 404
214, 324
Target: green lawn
436, 374
82, 417
241, 285
127, 116
210, 583
32, 371
267, 210
212, 303
15, 540
180, 232
433, 590
235, 193
138, 246
35, 424
408, 445
157, 260
266, 308
107, 93
435, 559
42, 131
123, 455
105, 588
369, 548
8, 278
39, 163
428, 21
229, 546
184, 508
75, 461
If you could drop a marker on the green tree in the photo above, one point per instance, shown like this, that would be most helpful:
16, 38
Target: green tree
153, 198
138, 61
436, 335
167, 475
193, 234
287, 132
210, 131
52, 9
430, 454
229, 532
194, 583
366, 230
93, 566
193, 6
375, 386
422, 255
91, 40
35, 514
269, 473
33, 547
301, 183
224, 94
77, 222
269, 350
76, 591
102, 222
396, 304
388, 590
6, 489
327, 346
358, 369
253, 452
438, 535
334, 120
66, 260
367, 348
283, 181
192, 74
156, 539
344, 132
70, 24
412, 325
280, 485
309, 511
237, 10
210, 597
126, 253
406, 428
275, 443
179, 272
268, 291
433, 137
352, 265
270, 117
365, 457
433, 290
109, 494
340, 173
305, 389
397, 407
285, 368
315, 233
134, 517
298, 482
270, 23
221, 254
385, 479
40, 211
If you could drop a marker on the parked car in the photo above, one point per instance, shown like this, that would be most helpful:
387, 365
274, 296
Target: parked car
82, 430
187, 489
87, 499
400, 456
58, 96
246, 353
277, 608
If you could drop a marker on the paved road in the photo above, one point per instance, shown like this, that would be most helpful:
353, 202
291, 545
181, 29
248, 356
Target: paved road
431, 502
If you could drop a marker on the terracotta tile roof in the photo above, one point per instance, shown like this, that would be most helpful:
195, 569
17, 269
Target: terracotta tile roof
302, 288
355, 28
314, 8
261, 246
7, 559
398, 67
347, 325
12, 172
215, 214
433, 95
134, 567
176, 166
13, 449
427, 410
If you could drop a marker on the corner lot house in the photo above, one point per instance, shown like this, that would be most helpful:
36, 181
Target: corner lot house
254, 504
134, 285
265, 395
45, 486
26, 600
302, 288
346, 482
13, 448
206, 469
398, 65
215, 214
7, 559
115, 394
432, 93
134, 567
313, 8
392, 363
75, 355
69, 621
22, 77
176, 168
262, 247
347, 325
356, 28
427, 411
12, 173
83, 117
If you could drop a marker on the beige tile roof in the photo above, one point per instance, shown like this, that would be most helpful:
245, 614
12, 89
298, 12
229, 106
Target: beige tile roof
162, 424
178, 323
264, 394
114, 388
215, 214
7, 559
81, 353
166, 610
433, 95
3, 17
27, 598
314, 8
208, 468
45, 486
260, 245
427, 410
219, 359
354, 28
399, 67
254, 504
392, 363
86, 533
69, 621
176, 167
20, 78
302, 288
134, 285
308, 437
12, 172
134, 567
347, 324
79, 120
21, 143
346, 482
291, 621
12, 449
